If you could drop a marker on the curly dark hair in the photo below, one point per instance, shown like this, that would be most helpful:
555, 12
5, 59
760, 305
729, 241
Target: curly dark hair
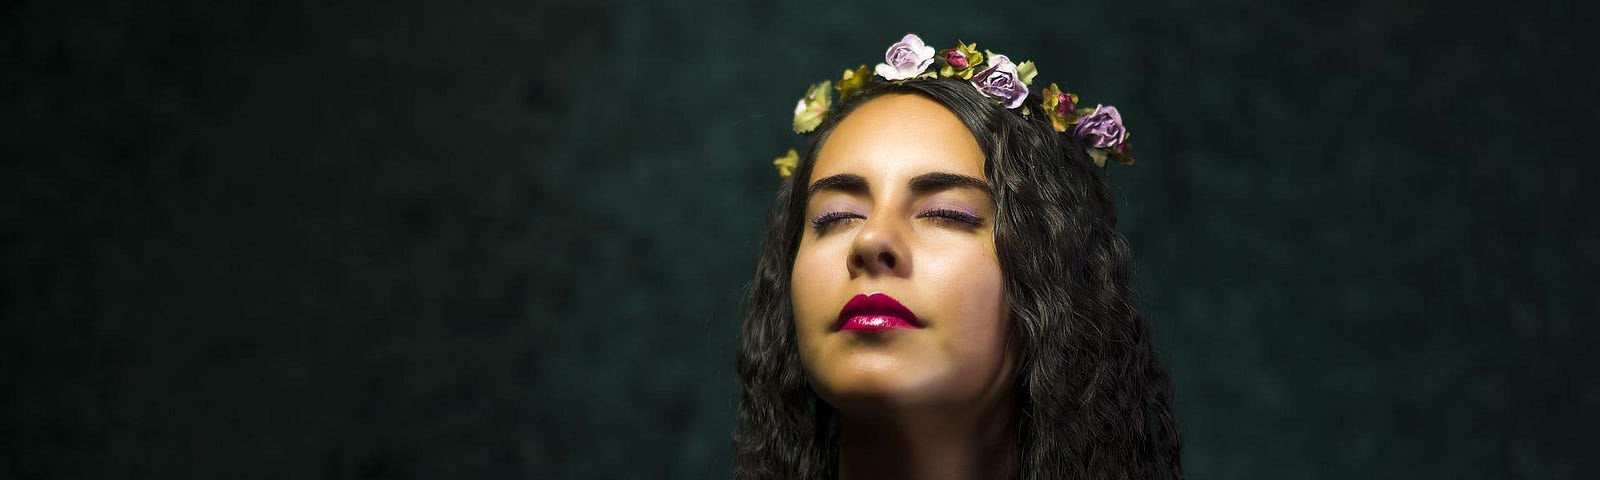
1094, 400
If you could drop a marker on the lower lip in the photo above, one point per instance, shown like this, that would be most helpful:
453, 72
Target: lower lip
874, 323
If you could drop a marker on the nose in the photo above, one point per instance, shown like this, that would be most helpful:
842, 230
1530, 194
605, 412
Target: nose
879, 249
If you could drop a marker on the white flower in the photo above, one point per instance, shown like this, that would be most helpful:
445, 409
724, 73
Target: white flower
906, 59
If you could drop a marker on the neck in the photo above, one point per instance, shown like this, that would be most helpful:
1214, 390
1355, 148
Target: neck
930, 445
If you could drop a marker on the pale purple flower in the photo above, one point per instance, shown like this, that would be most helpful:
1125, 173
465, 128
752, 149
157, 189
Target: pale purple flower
906, 59
1101, 129
999, 81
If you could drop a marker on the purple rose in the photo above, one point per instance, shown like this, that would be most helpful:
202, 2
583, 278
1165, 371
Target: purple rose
999, 81
1101, 129
906, 59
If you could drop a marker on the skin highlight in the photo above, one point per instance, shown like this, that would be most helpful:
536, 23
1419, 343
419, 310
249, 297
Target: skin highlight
899, 204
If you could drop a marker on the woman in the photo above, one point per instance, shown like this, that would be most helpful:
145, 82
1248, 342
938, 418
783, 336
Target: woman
942, 292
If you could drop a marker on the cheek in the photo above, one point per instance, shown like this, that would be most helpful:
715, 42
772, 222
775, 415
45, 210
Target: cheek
972, 292
813, 283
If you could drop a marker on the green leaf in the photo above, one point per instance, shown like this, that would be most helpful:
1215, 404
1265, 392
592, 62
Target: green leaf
1026, 71
1099, 156
1120, 157
809, 111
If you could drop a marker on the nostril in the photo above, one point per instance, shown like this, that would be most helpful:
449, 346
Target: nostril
886, 259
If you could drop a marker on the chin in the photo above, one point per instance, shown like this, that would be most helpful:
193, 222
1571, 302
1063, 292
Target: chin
865, 381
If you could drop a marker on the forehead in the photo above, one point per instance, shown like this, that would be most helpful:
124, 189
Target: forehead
895, 137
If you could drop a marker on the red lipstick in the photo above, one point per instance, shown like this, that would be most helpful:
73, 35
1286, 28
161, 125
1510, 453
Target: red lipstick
874, 313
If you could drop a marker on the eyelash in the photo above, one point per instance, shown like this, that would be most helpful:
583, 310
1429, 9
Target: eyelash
955, 217
822, 222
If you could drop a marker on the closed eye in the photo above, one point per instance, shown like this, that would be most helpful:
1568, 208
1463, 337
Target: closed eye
955, 218
829, 220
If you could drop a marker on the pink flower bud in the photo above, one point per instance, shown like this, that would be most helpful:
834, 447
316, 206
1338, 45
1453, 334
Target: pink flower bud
955, 59
1064, 104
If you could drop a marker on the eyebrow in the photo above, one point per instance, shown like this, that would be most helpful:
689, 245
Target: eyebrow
936, 181
920, 185
844, 182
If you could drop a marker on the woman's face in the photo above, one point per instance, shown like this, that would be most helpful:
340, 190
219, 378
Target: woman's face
898, 206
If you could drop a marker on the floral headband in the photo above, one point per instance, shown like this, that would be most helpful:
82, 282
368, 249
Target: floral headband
1099, 129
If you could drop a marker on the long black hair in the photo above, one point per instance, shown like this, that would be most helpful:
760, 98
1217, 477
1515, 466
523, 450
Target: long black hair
1093, 398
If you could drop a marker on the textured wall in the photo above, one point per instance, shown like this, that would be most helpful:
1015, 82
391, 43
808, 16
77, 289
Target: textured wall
508, 239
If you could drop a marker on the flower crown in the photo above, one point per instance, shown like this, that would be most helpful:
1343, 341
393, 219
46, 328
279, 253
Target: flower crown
1099, 129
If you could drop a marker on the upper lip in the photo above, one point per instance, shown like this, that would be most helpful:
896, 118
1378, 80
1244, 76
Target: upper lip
875, 304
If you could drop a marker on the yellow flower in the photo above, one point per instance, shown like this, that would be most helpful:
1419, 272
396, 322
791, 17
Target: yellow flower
787, 163
808, 111
852, 80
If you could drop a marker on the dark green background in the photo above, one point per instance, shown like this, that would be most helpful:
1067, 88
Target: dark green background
509, 239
